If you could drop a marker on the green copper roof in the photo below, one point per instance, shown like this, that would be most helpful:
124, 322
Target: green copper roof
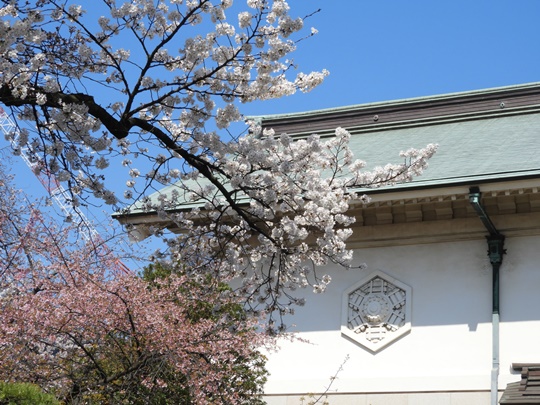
488, 135
469, 151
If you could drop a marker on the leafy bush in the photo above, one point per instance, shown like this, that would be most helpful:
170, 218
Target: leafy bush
247, 371
24, 394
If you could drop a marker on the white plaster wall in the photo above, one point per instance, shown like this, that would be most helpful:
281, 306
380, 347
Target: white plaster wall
520, 306
424, 398
449, 346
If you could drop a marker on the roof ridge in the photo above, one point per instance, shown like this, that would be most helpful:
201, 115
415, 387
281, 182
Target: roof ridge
494, 91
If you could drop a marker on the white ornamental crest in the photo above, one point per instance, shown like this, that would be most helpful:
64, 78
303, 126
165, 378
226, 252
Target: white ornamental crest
376, 311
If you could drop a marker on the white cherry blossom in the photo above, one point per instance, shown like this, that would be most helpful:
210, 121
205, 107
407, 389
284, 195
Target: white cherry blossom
160, 77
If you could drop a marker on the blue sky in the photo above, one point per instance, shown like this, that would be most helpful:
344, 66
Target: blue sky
392, 49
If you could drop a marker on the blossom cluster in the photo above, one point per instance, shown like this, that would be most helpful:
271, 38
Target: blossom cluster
74, 324
75, 77
276, 210
152, 87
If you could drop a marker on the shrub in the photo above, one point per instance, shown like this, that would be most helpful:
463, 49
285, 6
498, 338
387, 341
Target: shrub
24, 394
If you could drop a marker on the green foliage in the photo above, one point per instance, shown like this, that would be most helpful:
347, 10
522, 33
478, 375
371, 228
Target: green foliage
24, 394
155, 383
200, 308
155, 271
164, 387
250, 373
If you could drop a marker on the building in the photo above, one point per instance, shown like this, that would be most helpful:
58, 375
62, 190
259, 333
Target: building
448, 309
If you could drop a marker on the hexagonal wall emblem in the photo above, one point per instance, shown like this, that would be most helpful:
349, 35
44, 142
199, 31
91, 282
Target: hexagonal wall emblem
376, 311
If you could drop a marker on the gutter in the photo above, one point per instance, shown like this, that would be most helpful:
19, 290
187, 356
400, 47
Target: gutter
496, 251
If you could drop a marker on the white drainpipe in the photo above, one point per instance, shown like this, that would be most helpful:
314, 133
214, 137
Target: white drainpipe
495, 252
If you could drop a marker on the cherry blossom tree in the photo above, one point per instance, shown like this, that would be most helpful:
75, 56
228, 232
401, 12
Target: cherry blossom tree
91, 335
153, 86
